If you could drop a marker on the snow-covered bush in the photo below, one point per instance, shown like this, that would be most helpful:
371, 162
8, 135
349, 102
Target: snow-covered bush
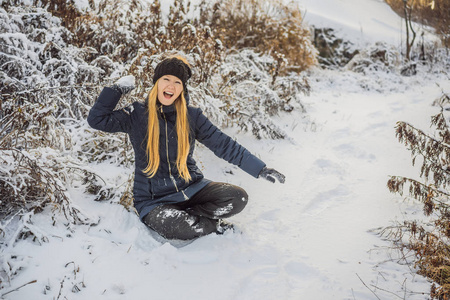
137, 34
250, 95
46, 90
120, 28
428, 239
383, 59
270, 27
333, 51
45, 86
377, 57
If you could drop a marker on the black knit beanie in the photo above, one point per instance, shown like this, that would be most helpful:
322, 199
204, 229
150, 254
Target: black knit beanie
173, 66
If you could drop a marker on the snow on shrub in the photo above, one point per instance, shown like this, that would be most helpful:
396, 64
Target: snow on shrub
250, 95
43, 90
377, 57
270, 27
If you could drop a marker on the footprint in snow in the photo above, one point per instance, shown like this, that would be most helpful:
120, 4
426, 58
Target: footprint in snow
326, 199
351, 151
300, 270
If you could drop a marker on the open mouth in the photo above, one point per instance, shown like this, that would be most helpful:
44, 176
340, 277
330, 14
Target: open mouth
168, 95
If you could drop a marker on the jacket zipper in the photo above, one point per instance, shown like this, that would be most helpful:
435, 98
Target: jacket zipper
167, 154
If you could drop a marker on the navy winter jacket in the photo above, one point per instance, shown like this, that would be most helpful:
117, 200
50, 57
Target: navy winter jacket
166, 186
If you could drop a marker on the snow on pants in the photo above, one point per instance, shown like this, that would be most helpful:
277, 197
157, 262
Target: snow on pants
199, 215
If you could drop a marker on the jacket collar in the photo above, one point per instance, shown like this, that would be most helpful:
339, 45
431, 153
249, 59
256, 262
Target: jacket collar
166, 109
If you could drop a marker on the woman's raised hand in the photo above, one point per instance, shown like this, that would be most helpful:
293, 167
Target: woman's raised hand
125, 84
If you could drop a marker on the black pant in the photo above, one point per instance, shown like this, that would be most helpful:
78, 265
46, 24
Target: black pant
199, 215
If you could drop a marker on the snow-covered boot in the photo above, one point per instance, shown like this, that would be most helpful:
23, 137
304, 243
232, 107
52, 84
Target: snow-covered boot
223, 226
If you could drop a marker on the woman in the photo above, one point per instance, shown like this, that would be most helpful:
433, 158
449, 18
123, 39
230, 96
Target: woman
170, 193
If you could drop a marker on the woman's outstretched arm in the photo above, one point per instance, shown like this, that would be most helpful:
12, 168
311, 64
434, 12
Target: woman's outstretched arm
225, 147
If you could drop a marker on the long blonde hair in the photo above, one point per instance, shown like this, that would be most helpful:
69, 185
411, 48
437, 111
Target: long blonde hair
182, 127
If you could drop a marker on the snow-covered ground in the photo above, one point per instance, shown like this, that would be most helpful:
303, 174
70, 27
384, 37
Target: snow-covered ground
307, 239
362, 22
366, 21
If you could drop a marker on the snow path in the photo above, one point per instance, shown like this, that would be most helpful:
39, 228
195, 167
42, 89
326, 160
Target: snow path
337, 190
307, 239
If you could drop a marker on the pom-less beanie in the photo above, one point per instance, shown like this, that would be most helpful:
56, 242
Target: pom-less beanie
173, 66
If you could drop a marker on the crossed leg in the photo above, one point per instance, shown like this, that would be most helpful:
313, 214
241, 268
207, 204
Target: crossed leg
199, 215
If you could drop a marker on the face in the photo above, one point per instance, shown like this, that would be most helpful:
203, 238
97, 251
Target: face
169, 89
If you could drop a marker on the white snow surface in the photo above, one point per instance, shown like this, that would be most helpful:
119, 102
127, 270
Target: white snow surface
360, 22
307, 239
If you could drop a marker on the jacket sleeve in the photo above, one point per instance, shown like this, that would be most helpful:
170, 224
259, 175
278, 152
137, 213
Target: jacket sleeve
225, 147
102, 115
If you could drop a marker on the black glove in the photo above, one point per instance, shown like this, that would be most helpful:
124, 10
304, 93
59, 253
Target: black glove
271, 175
124, 85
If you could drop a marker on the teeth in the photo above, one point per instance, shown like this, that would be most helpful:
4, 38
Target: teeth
169, 93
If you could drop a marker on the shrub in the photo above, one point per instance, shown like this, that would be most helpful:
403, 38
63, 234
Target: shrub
249, 95
332, 51
269, 27
378, 57
46, 91
429, 240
